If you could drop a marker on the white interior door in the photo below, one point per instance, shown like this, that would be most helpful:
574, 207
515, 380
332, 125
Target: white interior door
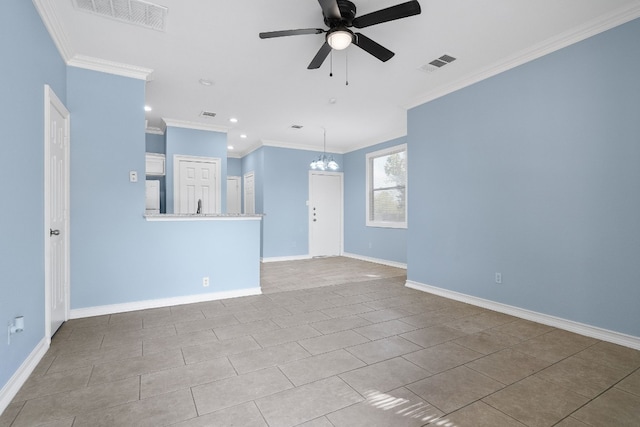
152, 196
57, 139
249, 193
233, 195
197, 183
325, 213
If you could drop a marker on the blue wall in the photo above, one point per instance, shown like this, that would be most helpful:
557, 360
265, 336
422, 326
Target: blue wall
234, 166
194, 142
374, 242
535, 173
155, 143
30, 60
116, 256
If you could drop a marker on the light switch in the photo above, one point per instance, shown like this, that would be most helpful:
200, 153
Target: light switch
133, 176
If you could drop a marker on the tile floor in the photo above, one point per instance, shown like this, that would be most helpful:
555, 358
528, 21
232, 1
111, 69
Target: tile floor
331, 342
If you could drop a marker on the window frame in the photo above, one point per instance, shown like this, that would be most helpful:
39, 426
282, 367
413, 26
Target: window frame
370, 157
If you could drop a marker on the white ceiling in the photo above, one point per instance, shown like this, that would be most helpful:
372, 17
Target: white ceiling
266, 84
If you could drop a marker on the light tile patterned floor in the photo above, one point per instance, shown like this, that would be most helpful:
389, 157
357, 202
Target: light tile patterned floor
331, 342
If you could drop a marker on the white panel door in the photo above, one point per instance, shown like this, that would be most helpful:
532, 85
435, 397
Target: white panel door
325, 214
57, 208
198, 185
152, 196
233, 195
249, 193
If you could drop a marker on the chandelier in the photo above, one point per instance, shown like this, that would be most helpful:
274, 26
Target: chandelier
324, 162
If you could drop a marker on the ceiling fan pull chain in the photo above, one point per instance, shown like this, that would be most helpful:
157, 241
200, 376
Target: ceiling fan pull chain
347, 68
331, 59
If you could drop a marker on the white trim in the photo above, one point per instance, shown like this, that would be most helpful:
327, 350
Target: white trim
154, 130
375, 260
110, 67
195, 125
101, 310
52, 101
203, 217
56, 31
567, 38
557, 322
21, 375
285, 258
369, 158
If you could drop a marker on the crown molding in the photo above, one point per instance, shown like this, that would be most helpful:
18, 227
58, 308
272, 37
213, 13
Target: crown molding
195, 125
154, 130
110, 67
567, 38
292, 146
52, 23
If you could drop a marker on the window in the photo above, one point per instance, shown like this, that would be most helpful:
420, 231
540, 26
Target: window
387, 187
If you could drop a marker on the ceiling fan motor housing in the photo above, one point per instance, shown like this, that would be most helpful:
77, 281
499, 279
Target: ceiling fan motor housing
347, 12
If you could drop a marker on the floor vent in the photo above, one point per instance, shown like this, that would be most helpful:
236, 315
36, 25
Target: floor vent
136, 12
437, 63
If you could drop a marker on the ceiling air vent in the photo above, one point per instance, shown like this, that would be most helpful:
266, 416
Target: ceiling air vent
437, 63
135, 12
208, 114
296, 126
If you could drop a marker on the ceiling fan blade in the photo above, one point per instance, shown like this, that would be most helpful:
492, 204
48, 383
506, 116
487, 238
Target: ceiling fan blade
322, 54
375, 49
271, 34
330, 9
392, 13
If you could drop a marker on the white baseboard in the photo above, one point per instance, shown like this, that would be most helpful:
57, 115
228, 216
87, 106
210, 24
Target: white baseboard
12, 387
79, 313
557, 322
285, 258
376, 260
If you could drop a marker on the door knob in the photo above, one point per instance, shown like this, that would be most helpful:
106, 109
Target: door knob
54, 232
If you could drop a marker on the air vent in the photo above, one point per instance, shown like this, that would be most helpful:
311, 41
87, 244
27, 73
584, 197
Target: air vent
207, 114
296, 126
437, 63
135, 12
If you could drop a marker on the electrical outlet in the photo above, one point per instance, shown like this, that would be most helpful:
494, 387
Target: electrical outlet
498, 277
205, 282
133, 176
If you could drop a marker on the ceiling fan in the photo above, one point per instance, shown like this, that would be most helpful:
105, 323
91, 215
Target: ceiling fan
339, 15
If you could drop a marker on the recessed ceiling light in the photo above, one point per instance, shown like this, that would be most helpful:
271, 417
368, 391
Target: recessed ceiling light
147, 108
233, 120
230, 147
206, 82
243, 136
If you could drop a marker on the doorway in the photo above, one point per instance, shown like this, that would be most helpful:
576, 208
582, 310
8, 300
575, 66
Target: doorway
233, 195
56, 212
249, 193
325, 213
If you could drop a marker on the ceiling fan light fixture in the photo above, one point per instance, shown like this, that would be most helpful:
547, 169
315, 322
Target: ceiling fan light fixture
339, 38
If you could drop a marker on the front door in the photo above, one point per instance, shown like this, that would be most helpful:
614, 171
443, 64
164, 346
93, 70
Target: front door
56, 212
198, 185
325, 213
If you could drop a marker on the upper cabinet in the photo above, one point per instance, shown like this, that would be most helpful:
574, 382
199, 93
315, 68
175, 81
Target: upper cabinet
154, 164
